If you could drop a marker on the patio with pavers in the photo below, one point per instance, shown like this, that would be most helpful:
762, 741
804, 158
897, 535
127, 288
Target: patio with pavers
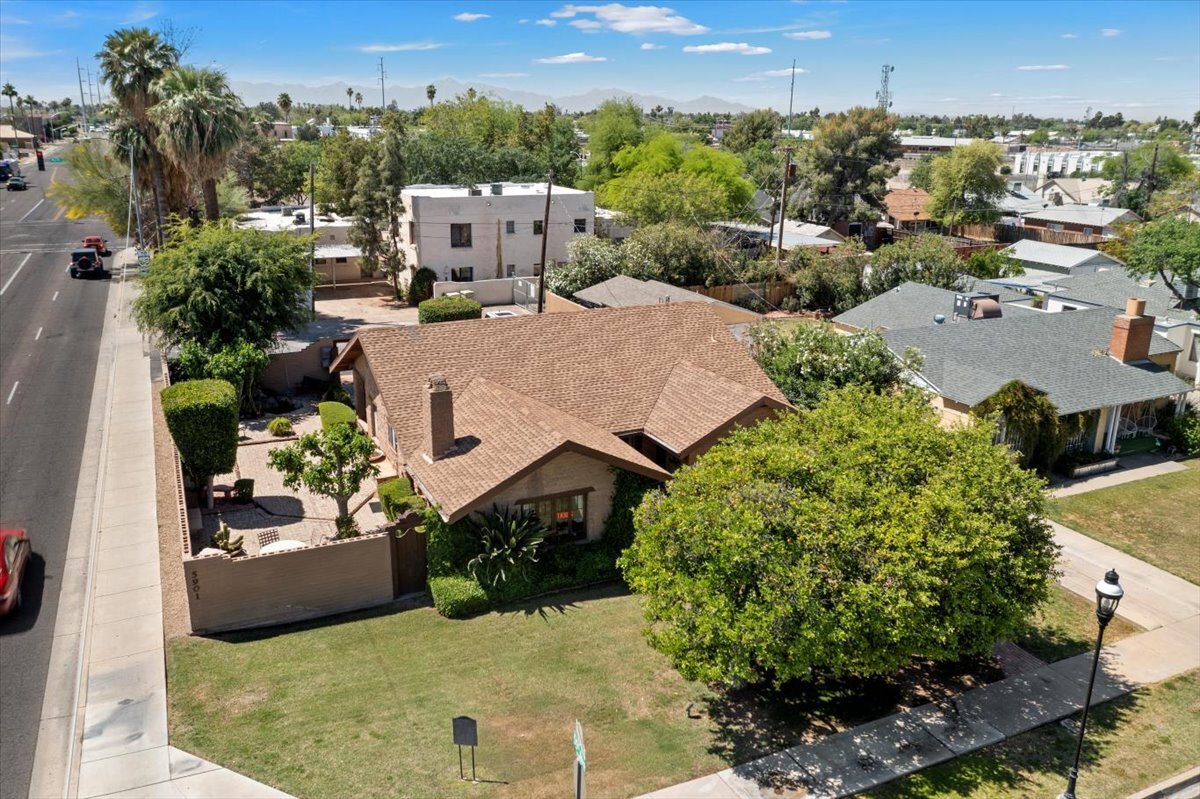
278, 512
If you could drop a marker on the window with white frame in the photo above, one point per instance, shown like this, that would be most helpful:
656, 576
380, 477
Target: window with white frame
393, 442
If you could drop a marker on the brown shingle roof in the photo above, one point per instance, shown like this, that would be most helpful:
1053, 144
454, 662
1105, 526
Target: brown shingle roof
607, 367
501, 435
907, 205
695, 402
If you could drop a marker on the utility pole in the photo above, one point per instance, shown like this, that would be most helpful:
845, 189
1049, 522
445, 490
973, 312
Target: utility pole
545, 235
791, 102
312, 229
382, 92
1150, 181
82, 104
91, 97
787, 172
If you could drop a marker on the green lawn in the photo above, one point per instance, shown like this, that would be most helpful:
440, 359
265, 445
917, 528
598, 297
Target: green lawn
1066, 626
361, 706
1154, 519
1131, 743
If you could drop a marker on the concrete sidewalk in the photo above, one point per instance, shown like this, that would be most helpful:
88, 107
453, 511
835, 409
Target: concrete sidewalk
119, 743
1133, 468
871, 754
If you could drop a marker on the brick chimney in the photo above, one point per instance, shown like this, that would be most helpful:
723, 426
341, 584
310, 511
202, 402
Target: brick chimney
439, 418
1131, 333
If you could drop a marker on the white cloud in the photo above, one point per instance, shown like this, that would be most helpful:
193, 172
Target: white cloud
808, 36
1069, 36
586, 25
15, 53
141, 12
741, 48
570, 58
403, 47
549, 23
1043, 68
649, 46
504, 74
467, 16
1110, 32
634, 19
771, 73
14, 21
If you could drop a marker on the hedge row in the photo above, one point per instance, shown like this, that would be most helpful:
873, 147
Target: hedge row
457, 597
396, 497
336, 413
448, 309
202, 416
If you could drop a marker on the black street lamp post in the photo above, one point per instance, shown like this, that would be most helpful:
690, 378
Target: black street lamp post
1108, 596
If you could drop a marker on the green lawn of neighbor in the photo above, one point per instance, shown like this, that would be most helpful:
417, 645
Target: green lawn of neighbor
1155, 519
1132, 743
1066, 626
360, 705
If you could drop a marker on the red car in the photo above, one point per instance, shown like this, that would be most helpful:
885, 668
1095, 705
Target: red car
98, 244
14, 556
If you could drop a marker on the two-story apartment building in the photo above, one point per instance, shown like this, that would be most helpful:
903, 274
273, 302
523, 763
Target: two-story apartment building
335, 259
493, 231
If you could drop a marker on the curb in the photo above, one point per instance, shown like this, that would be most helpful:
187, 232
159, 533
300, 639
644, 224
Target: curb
1170, 786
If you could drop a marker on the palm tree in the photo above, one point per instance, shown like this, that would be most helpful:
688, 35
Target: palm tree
358, 99
201, 122
284, 101
349, 98
10, 92
431, 92
132, 60
30, 105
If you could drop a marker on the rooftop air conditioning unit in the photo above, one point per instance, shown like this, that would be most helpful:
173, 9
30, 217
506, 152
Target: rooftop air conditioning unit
497, 188
474, 192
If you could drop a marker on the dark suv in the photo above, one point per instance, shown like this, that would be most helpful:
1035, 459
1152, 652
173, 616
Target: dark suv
86, 263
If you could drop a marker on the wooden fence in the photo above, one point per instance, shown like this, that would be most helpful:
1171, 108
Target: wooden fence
773, 291
1009, 234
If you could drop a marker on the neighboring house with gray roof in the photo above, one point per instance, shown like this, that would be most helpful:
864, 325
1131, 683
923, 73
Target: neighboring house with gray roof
1088, 220
914, 305
623, 291
1042, 255
1104, 364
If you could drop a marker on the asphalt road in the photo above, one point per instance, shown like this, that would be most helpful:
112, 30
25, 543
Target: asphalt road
50, 329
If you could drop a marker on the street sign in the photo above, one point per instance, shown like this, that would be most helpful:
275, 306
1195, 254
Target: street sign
143, 259
54, 159
580, 762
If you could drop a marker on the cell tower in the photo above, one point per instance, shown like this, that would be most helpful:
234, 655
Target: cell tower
884, 95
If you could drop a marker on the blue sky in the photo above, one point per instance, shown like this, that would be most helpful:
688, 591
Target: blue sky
1140, 58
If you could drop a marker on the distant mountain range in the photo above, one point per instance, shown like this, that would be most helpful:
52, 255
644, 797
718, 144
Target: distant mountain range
414, 96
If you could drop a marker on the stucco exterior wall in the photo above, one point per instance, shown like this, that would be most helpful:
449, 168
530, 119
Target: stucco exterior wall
557, 304
254, 591
568, 472
427, 238
286, 370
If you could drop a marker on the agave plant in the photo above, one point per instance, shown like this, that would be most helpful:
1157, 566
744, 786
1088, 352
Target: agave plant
508, 542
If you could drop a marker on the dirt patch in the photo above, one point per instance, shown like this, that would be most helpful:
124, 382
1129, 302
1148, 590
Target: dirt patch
176, 619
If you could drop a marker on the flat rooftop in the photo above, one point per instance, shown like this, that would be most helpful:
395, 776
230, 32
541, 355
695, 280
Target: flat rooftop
276, 220
485, 189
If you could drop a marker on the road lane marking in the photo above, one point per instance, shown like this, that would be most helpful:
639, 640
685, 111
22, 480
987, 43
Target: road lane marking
55, 297
31, 210
61, 211
39, 334
14, 391
8, 282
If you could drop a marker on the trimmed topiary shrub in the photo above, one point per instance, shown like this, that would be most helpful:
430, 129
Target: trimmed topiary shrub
448, 309
202, 416
280, 426
396, 497
336, 413
457, 597
420, 288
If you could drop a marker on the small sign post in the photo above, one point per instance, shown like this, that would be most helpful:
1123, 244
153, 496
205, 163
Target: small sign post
580, 762
465, 734
143, 259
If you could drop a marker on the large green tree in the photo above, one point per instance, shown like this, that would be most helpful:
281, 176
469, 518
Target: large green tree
1167, 249
921, 259
832, 282
378, 208
337, 172
99, 186
217, 285
761, 125
1136, 176
843, 171
849, 539
333, 463
807, 361
966, 185
201, 121
617, 124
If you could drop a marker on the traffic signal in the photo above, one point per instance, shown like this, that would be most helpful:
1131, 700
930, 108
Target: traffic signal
41, 161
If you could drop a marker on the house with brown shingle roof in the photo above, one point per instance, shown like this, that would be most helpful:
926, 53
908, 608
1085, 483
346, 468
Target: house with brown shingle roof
907, 209
537, 411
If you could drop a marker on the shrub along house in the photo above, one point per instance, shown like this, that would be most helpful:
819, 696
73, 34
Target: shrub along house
535, 412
